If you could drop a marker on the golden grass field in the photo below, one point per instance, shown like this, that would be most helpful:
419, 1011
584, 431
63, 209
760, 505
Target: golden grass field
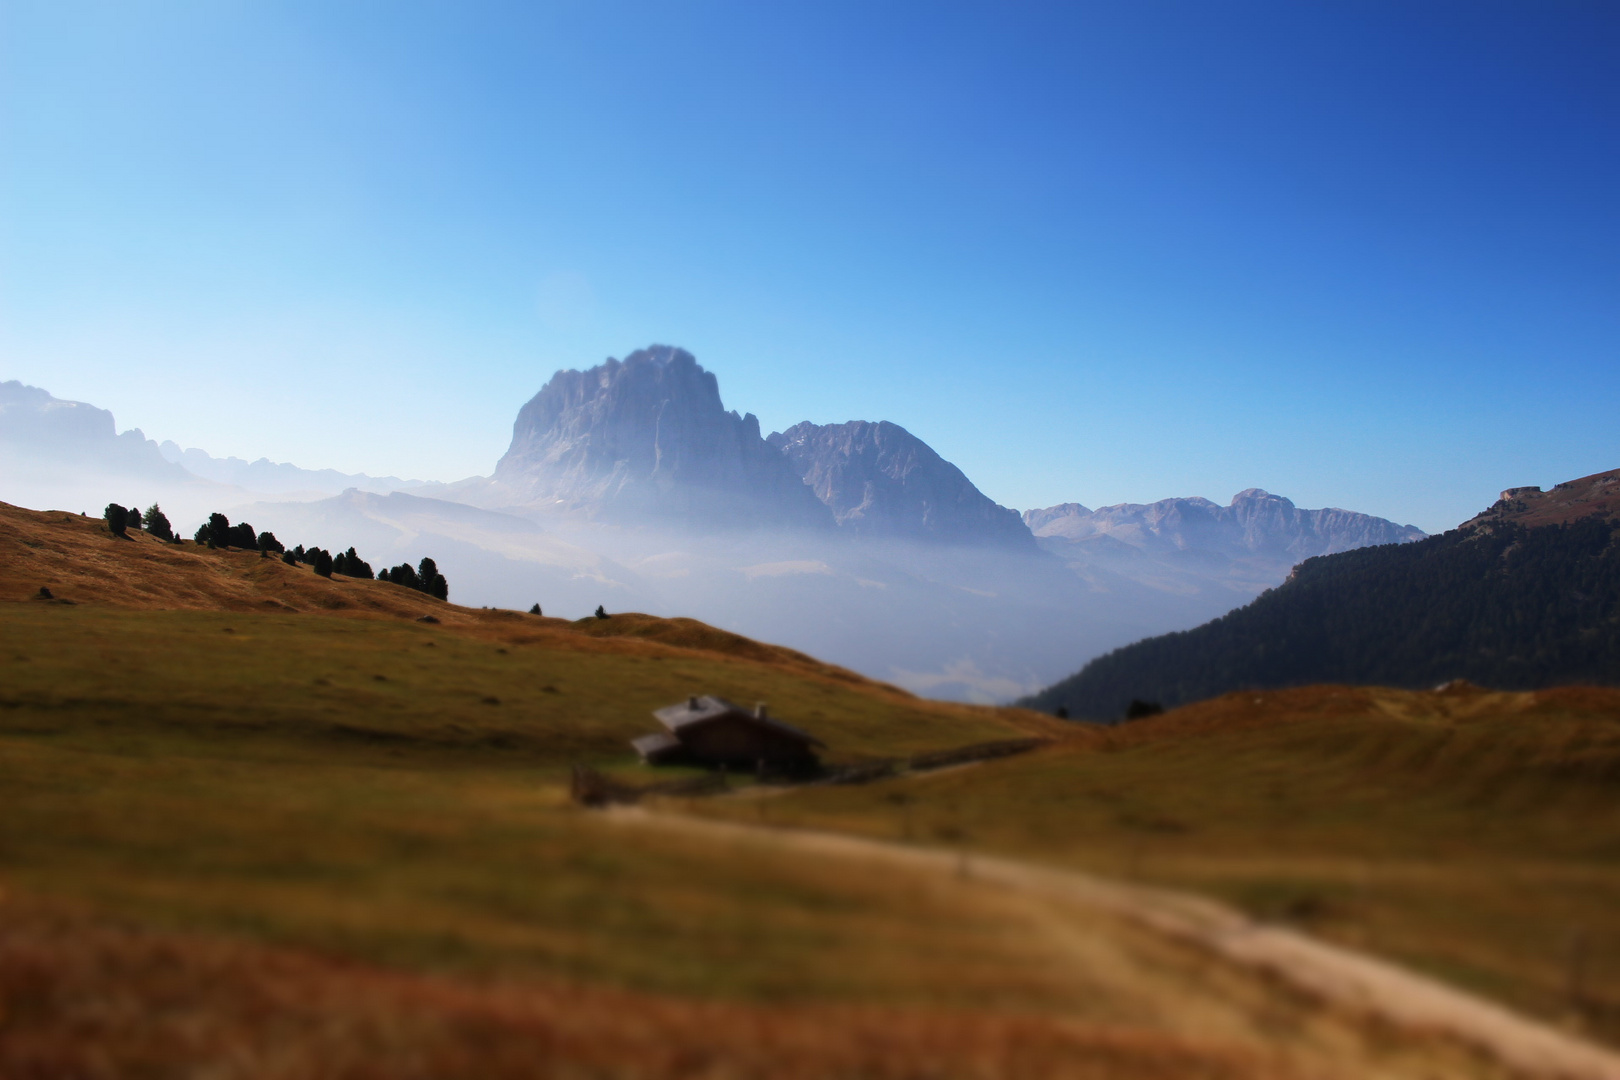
257, 823
1469, 834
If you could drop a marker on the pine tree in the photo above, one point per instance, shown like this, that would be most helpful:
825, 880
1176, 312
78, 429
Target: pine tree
354, 565
268, 542
132, 517
157, 523
323, 563
115, 516
289, 558
601, 612
535, 610
432, 582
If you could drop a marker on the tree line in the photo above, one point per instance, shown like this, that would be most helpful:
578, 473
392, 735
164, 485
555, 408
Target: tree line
218, 532
1502, 606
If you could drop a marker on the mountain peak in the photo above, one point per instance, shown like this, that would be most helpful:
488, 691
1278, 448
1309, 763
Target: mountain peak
879, 479
649, 436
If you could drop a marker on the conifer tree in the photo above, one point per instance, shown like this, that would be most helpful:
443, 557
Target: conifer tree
132, 517
535, 610
115, 518
323, 563
157, 523
353, 565
268, 542
432, 582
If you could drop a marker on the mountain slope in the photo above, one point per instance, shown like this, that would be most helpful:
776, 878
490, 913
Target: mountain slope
648, 438
881, 480
1494, 602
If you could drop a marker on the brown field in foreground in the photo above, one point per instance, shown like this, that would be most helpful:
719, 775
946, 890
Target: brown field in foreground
90, 999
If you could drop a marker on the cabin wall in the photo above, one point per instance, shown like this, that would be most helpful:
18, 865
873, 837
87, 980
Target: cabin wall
736, 740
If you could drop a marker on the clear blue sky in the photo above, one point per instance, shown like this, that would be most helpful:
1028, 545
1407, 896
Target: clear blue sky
1362, 254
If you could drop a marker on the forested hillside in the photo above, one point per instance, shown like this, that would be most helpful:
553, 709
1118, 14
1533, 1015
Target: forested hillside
1498, 604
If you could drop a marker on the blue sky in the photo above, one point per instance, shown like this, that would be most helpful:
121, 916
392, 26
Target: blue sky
1362, 254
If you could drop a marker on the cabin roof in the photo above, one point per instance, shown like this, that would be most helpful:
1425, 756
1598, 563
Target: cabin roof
706, 708
651, 746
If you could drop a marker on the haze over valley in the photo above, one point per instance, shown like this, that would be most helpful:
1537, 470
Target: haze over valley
630, 485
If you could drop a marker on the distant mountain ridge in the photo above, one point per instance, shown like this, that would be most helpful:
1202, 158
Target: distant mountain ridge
1510, 600
648, 437
277, 477
879, 479
1255, 523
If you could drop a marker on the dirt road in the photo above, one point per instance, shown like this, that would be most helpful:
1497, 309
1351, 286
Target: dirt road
1209, 971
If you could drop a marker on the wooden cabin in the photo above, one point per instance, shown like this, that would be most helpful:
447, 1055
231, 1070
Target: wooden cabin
709, 730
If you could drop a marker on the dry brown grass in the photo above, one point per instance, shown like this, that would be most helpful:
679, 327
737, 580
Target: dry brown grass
87, 998
1474, 835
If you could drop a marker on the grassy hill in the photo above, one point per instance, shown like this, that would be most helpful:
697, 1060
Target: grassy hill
236, 795
1469, 833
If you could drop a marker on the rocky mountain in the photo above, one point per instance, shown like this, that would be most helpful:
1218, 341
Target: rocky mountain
36, 425
1255, 523
648, 438
1524, 596
881, 480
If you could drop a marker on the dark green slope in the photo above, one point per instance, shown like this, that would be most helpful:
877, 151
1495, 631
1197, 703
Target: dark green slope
1498, 604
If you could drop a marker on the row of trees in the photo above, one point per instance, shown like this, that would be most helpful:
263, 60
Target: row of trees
120, 520
424, 578
218, 532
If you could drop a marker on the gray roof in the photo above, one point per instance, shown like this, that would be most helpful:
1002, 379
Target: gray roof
707, 707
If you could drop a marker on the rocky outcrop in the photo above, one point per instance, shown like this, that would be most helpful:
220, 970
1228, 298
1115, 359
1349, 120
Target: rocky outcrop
881, 480
1597, 495
1256, 523
647, 437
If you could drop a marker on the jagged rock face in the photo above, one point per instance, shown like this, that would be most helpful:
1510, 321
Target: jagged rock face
648, 437
1256, 523
45, 429
881, 480
31, 416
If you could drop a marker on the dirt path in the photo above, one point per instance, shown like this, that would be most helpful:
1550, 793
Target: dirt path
1327, 1010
